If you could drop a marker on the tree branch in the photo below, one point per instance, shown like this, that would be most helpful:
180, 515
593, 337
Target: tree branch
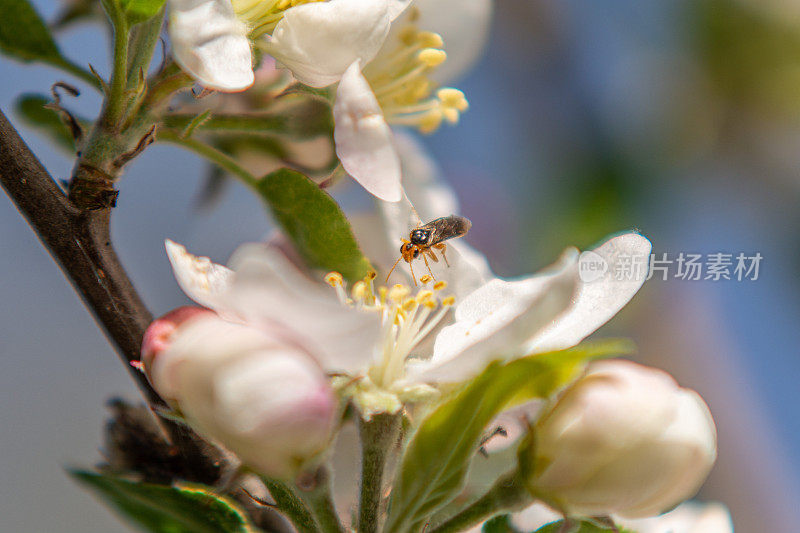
80, 243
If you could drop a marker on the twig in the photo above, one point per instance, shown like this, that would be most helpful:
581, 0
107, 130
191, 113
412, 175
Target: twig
80, 242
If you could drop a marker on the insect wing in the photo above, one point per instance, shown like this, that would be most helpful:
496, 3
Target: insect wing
447, 228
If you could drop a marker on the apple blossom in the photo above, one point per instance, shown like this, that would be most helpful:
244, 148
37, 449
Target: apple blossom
373, 333
384, 55
211, 38
385, 76
624, 439
261, 398
395, 344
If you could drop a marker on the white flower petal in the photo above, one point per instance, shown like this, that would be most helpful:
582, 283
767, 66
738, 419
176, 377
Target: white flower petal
464, 27
270, 292
211, 44
320, 40
364, 141
597, 301
202, 280
495, 321
397, 7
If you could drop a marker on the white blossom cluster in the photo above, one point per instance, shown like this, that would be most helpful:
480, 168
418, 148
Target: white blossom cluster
263, 367
386, 58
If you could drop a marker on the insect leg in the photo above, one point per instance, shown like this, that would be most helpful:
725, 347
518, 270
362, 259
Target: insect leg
442, 247
427, 265
432, 255
412, 273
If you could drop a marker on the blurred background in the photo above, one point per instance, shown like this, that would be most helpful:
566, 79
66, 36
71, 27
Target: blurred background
680, 119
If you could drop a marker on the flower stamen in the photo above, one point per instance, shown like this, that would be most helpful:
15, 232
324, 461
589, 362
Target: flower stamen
407, 317
401, 83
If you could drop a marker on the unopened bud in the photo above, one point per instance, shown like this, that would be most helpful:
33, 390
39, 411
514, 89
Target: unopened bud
159, 333
624, 439
264, 400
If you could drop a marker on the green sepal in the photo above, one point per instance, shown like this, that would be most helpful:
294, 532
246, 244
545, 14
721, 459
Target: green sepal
436, 460
314, 222
167, 509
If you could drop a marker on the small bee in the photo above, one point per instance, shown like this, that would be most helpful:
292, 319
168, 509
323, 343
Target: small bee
429, 237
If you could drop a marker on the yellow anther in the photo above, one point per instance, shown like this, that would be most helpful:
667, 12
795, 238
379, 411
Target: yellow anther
428, 39
430, 304
439, 285
425, 279
398, 293
432, 56
334, 279
409, 305
424, 295
452, 98
451, 115
431, 121
370, 275
360, 291
450, 300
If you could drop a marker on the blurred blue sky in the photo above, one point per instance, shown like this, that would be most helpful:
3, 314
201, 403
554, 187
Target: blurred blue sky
561, 84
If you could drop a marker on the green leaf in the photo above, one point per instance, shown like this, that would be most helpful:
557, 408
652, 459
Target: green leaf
24, 35
584, 526
499, 524
166, 509
435, 462
137, 11
314, 222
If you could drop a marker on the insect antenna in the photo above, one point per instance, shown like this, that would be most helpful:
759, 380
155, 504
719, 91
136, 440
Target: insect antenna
413, 210
392, 270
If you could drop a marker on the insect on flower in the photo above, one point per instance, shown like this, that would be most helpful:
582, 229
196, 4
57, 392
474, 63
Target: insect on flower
426, 238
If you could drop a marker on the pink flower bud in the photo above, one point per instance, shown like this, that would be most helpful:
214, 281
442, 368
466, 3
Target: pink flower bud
262, 399
159, 333
625, 439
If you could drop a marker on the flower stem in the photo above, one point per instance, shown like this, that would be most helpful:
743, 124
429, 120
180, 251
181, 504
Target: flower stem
221, 159
115, 100
378, 435
319, 499
508, 493
291, 506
